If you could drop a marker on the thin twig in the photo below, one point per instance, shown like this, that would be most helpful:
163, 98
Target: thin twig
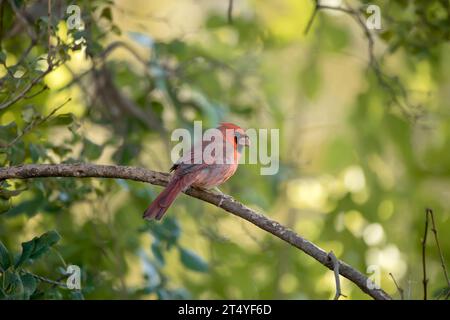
49, 32
230, 11
390, 83
46, 280
25, 53
8, 70
311, 19
441, 256
22, 19
34, 124
51, 64
45, 87
424, 262
335, 263
318, 7
342, 9
2, 6
399, 289
27, 88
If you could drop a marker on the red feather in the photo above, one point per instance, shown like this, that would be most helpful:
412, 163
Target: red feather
204, 175
163, 201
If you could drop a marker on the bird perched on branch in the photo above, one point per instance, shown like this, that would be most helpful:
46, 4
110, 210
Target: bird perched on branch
207, 165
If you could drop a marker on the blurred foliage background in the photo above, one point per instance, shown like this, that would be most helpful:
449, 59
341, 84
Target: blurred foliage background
364, 146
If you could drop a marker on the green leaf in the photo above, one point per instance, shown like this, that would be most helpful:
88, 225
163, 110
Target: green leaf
91, 150
157, 107
172, 229
156, 249
29, 207
27, 250
5, 258
311, 80
337, 37
37, 247
78, 34
8, 132
13, 286
64, 119
53, 294
106, 13
126, 153
29, 113
29, 285
37, 152
192, 261
167, 232
5, 205
441, 292
116, 30
61, 150
3, 158
6, 194
16, 153
76, 295
44, 242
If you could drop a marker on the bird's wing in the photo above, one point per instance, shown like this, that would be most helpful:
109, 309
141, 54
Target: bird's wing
192, 160
195, 159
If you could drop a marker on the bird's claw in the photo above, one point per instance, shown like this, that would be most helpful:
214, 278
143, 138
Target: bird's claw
216, 191
222, 198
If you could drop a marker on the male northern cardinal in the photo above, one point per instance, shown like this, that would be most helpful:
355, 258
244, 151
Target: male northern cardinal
206, 172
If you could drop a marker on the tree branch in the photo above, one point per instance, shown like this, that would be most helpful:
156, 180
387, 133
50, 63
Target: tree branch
228, 204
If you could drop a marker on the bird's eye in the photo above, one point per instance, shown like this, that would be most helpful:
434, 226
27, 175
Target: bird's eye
237, 136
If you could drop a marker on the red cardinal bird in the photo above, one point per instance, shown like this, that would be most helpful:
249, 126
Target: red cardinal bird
209, 171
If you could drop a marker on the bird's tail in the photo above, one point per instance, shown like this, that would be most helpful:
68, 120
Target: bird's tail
163, 201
